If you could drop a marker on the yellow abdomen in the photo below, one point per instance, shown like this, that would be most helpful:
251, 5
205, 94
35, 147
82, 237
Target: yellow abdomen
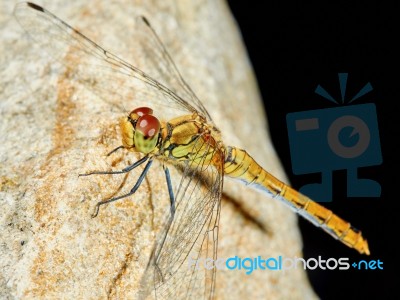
240, 165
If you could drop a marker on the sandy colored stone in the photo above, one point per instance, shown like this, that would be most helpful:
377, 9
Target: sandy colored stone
52, 129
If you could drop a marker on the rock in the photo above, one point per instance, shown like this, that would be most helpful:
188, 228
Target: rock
55, 125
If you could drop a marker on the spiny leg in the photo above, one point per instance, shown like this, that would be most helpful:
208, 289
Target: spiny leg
125, 170
170, 191
133, 190
171, 218
115, 150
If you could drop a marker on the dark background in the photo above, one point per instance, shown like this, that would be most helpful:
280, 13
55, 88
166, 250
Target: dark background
295, 47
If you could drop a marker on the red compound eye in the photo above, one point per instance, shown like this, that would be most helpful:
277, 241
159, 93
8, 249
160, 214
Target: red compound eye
146, 133
142, 111
148, 126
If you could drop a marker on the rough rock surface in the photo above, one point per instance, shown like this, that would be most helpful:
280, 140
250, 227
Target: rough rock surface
52, 129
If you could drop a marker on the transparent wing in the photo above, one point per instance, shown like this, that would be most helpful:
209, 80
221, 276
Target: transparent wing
112, 78
190, 237
193, 231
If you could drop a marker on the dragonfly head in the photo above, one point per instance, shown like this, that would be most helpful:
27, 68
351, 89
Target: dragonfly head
140, 130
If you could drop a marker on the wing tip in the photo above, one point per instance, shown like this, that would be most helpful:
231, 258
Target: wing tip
144, 19
35, 6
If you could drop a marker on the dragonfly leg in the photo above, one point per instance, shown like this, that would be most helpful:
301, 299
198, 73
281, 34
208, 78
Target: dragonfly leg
125, 170
115, 150
133, 190
170, 191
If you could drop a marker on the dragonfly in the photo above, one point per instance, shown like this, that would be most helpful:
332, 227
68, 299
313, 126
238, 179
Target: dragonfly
188, 143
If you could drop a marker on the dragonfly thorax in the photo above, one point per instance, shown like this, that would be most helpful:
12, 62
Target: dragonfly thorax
140, 130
